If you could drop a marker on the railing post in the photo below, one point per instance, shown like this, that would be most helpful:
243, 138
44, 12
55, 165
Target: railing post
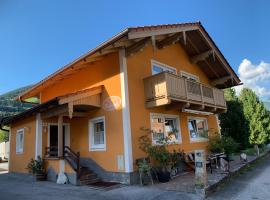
201, 93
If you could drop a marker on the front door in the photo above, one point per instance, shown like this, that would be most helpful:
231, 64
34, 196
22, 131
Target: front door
53, 138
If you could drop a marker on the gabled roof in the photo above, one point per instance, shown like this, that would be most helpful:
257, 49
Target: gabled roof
191, 36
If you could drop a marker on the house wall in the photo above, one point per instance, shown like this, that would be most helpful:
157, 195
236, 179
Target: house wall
104, 72
139, 67
18, 162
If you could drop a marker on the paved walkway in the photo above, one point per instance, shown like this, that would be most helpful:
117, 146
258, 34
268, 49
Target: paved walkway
25, 188
253, 184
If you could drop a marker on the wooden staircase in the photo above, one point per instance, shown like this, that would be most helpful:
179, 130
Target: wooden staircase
84, 175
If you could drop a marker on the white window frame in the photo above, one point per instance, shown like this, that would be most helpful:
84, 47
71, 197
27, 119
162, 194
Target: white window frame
200, 139
92, 146
164, 116
19, 132
163, 66
189, 76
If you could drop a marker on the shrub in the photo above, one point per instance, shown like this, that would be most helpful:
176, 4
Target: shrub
224, 144
36, 166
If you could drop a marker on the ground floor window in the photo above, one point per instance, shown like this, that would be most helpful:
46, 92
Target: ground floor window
19, 141
165, 126
198, 129
97, 134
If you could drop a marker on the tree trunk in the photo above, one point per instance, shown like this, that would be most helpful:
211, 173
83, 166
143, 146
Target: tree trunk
257, 149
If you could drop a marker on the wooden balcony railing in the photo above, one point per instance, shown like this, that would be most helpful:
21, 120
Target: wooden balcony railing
163, 88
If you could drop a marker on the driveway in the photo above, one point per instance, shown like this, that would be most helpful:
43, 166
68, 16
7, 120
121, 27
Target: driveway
13, 187
253, 184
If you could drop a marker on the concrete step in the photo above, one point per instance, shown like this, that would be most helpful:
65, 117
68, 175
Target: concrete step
89, 181
88, 176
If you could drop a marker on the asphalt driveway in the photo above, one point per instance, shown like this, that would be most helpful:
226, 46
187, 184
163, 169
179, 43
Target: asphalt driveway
21, 188
252, 184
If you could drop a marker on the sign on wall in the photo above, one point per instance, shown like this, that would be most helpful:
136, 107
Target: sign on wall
112, 103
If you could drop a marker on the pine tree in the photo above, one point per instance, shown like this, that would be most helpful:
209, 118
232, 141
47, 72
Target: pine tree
257, 116
233, 122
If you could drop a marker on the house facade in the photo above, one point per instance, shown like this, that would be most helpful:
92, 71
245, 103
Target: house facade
167, 78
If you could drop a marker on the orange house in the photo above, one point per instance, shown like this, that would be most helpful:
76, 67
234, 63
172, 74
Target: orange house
168, 78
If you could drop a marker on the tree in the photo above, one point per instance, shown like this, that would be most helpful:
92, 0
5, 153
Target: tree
4, 136
257, 116
233, 123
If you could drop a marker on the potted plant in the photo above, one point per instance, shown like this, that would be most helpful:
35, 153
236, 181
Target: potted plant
159, 154
37, 168
144, 168
177, 162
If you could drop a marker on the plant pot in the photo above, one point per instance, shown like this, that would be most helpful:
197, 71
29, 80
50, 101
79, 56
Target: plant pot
163, 176
41, 177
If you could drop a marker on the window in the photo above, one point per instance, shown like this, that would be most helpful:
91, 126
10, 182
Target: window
158, 67
197, 129
97, 135
19, 141
189, 76
165, 126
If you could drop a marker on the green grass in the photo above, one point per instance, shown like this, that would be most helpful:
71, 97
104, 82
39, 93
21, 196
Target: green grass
252, 152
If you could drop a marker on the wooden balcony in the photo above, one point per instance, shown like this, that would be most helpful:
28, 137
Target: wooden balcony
170, 89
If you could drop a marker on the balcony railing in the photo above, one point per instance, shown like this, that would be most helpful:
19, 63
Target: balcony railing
163, 88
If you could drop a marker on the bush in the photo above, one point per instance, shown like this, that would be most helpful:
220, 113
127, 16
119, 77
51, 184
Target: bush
224, 144
36, 166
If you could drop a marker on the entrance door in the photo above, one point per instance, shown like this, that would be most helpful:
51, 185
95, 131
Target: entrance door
53, 138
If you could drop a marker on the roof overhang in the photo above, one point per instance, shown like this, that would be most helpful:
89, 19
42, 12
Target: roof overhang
71, 105
191, 36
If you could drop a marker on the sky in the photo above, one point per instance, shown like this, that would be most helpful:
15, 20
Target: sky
39, 37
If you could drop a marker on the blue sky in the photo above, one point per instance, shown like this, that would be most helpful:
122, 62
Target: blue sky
38, 37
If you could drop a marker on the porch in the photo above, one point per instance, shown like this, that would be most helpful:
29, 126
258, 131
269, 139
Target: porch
56, 125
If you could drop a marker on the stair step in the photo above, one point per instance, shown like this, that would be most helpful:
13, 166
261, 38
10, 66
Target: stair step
88, 176
89, 181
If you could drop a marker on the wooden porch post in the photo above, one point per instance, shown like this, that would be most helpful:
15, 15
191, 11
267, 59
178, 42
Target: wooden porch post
60, 136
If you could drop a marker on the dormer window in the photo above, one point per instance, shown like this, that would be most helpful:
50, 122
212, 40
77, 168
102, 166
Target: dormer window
158, 67
189, 76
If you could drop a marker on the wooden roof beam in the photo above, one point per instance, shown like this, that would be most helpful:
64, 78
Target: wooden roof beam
137, 46
201, 56
169, 40
193, 45
220, 81
148, 33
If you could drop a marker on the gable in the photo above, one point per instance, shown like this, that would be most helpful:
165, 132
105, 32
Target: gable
191, 36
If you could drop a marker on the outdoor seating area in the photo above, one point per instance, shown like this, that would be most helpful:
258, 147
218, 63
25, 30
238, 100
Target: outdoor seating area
185, 181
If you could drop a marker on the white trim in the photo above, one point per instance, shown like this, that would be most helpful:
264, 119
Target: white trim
91, 145
38, 150
67, 125
168, 116
163, 66
21, 150
187, 74
128, 157
193, 140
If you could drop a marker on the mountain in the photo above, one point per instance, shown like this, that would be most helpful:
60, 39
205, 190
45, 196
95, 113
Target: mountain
9, 106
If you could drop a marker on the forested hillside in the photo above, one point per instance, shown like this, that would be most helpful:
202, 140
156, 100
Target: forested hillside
9, 105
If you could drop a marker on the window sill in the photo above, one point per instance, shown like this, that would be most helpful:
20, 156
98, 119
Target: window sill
97, 149
19, 153
193, 140
169, 143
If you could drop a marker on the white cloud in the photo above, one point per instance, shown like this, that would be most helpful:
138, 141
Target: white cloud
256, 77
